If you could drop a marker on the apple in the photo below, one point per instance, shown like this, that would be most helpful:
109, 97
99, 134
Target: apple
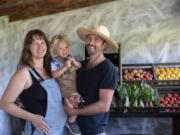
125, 77
144, 76
130, 70
167, 110
148, 73
161, 99
140, 70
162, 105
168, 95
125, 71
134, 71
175, 105
167, 98
173, 110
152, 76
175, 95
138, 75
171, 102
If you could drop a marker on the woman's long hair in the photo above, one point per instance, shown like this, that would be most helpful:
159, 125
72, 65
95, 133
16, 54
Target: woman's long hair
26, 56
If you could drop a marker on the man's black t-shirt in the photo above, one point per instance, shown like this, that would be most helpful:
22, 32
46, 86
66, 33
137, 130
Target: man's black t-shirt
89, 82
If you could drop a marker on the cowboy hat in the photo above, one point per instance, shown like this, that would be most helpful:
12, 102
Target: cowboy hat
102, 32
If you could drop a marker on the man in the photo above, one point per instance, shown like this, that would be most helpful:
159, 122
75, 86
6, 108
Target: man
96, 81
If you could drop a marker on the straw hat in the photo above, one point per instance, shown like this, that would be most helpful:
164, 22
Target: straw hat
102, 32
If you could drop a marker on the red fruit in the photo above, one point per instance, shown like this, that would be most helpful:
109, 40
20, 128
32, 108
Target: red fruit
175, 105
125, 77
167, 98
172, 98
125, 71
175, 95
145, 77
152, 76
168, 105
177, 102
167, 110
130, 70
171, 102
165, 102
132, 74
148, 73
168, 95
162, 105
173, 110
161, 99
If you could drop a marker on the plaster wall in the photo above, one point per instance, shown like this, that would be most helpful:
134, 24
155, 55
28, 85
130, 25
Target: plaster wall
147, 29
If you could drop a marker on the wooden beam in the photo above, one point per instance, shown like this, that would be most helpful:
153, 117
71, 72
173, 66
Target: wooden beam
5, 2
33, 6
56, 9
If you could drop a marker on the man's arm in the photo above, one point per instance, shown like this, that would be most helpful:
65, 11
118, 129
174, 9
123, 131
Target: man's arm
102, 105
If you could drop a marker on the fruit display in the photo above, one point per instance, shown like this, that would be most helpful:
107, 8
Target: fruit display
168, 73
137, 74
149, 95
170, 100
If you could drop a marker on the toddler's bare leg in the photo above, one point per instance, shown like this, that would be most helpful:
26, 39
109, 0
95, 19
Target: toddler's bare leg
72, 118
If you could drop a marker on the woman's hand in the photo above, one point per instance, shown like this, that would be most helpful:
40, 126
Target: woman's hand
39, 124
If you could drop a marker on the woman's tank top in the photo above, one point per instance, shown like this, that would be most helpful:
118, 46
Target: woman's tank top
34, 98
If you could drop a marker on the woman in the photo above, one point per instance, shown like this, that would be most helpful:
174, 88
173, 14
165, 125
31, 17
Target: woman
39, 93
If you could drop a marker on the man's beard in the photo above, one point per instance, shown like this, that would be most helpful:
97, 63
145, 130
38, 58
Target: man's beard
95, 49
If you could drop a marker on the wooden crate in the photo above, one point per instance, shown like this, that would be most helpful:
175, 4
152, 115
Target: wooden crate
138, 72
167, 73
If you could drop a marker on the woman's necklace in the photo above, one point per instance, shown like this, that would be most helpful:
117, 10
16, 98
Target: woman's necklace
41, 71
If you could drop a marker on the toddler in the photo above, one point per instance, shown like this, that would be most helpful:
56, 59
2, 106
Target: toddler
63, 68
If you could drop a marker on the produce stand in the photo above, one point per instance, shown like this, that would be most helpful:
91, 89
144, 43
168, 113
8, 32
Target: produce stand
143, 112
162, 85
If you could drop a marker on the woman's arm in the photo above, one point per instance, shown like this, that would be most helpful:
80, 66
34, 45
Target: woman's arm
20, 80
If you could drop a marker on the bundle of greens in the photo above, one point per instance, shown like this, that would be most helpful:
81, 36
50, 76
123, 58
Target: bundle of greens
137, 95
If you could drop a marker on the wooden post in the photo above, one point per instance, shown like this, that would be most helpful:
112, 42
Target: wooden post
84, 52
120, 64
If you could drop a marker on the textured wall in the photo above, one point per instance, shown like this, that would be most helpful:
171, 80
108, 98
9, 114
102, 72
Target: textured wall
147, 29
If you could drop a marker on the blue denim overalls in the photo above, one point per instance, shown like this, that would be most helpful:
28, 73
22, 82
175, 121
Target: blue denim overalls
55, 116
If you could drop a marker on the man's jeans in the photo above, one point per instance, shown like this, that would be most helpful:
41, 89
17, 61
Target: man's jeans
102, 133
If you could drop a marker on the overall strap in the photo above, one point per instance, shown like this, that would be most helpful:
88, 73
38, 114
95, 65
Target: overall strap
39, 79
35, 74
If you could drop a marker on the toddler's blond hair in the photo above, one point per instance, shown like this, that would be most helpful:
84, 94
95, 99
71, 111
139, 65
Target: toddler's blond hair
56, 40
